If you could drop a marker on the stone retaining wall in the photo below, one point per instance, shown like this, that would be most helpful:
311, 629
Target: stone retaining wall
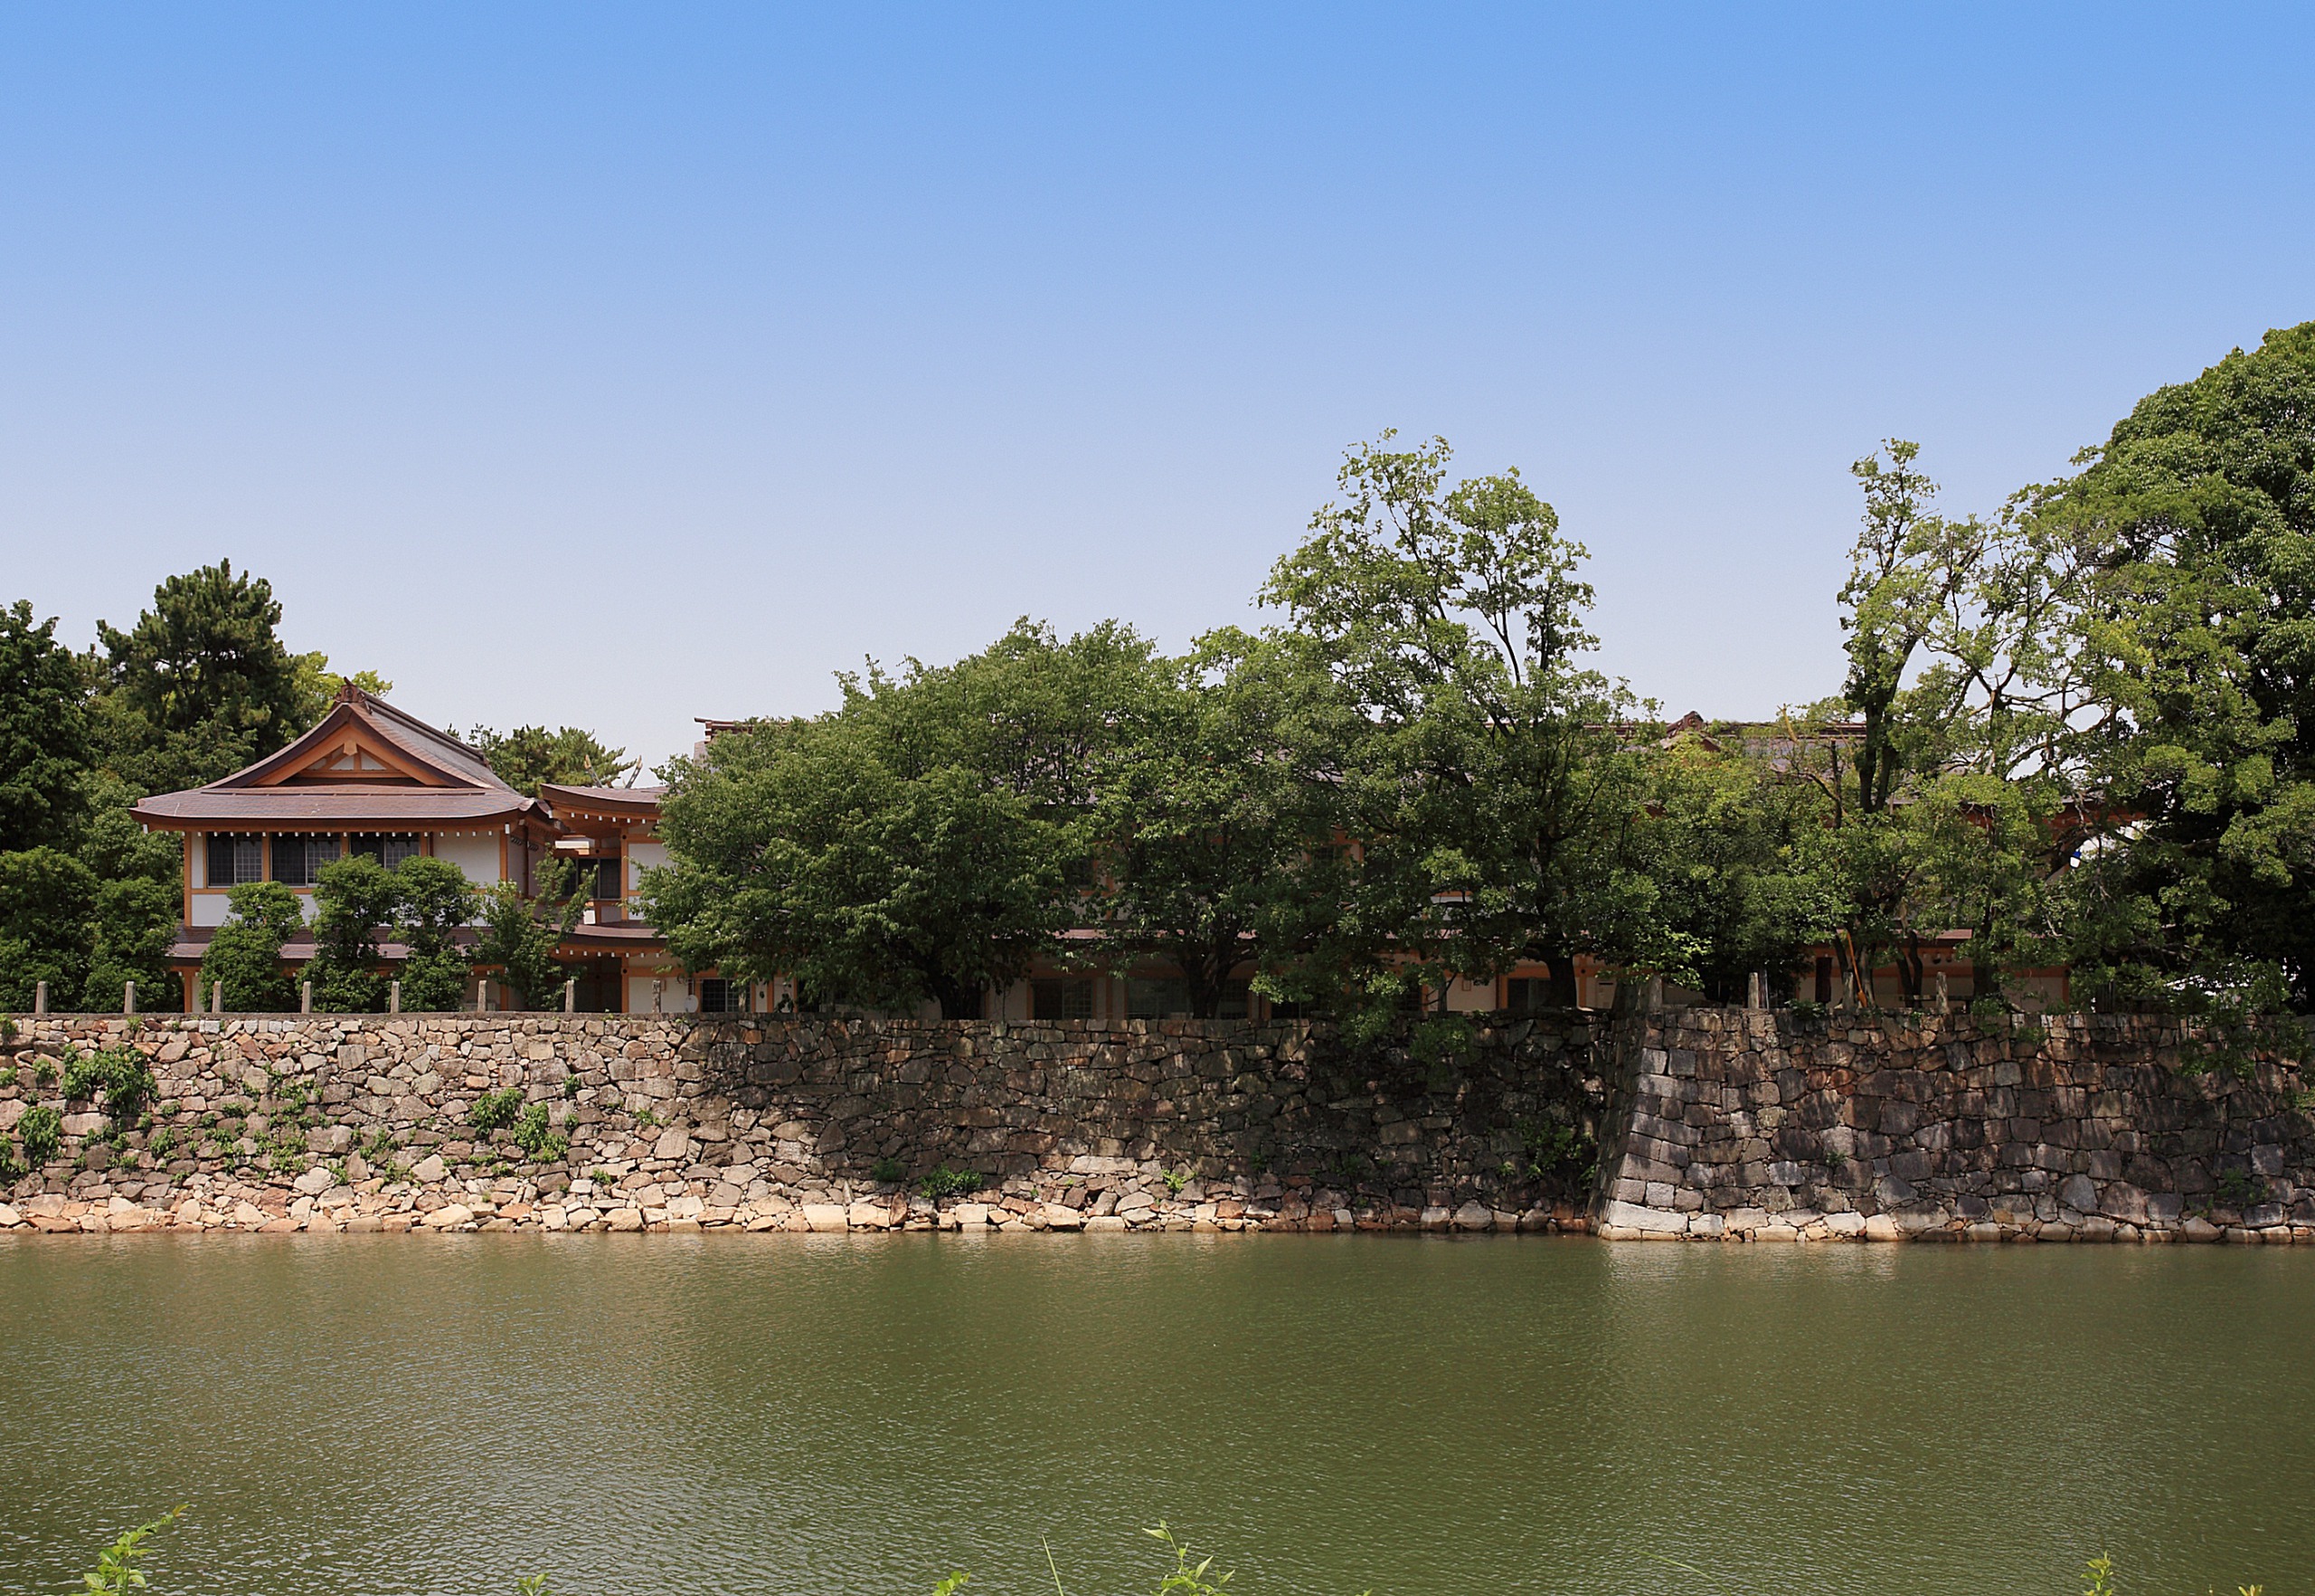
364, 1122
1751, 1124
1720, 1124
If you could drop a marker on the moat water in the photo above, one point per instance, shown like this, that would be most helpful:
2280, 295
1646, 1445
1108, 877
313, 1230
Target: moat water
798, 1414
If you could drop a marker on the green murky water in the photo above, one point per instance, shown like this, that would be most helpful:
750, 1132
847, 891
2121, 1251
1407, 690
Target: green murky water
807, 1415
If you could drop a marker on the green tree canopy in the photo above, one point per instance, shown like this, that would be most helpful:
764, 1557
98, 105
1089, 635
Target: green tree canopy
45, 749
567, 757
46, 899
521, 933
926, 841
200, 685
1216, 819
1488, 767
244, 954
436, 902
2198, 520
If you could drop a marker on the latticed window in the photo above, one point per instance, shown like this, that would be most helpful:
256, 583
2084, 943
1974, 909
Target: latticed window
235, 858
1060, 997
389, 849
720, 997
1156, 1000
299, 858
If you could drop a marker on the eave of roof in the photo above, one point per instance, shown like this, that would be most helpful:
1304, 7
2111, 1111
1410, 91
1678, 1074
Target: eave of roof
357, 808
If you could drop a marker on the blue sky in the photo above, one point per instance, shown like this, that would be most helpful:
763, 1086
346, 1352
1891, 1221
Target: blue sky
619, 365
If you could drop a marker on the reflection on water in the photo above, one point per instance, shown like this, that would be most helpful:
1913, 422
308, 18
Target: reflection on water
649, 1414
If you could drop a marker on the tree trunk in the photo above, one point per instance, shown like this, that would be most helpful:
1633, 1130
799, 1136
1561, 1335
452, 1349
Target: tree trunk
960, 1001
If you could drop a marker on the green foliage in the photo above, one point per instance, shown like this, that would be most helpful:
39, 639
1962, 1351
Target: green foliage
46, 899
43, 734
199, 687
122, 1073
520, 934
317, 687
117, 1569
529, 756
437, 901
945, 1182
355, 900
1481, 772
245, 952
2192, 521
495, 1110
42, 1131
1216, 816
540, 1141
2240, 1188
927, 841
1175, 1179
888, 1171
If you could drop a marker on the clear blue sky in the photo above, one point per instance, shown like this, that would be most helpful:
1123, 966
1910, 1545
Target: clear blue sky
616, 365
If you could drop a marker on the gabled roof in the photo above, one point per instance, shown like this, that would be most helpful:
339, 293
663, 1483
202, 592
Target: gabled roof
366, 762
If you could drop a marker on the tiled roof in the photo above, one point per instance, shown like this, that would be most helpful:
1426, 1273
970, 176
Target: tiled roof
352, 808
460, 785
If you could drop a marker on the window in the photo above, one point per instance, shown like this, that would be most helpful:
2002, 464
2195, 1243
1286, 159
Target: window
720, 997
389, 849
1524, 995
608, 879
1060, 997
1237, 1001
234, 859
298, 859
1155, 999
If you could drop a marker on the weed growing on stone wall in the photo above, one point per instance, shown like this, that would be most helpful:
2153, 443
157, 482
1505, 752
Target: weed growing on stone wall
7, 1030
647, 1118
541, 1142
2240, 1188
162, 1143
888, 1172
41, 1130
569, 1087
122, 1074
1175, 1179
495, 1110
284, 1152
945, 1182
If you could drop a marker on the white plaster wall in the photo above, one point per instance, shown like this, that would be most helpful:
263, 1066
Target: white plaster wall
1470, 996
476, 855
675, 999
640, 858
208, 909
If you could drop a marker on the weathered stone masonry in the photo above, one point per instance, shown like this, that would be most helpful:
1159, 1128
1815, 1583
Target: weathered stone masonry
361, 1123
1752, 1124
1715, 1124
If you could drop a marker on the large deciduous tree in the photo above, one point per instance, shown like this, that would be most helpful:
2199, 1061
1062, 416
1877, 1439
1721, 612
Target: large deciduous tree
927, 841
2198, 519
1216, 819
43, 734
1490, 779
